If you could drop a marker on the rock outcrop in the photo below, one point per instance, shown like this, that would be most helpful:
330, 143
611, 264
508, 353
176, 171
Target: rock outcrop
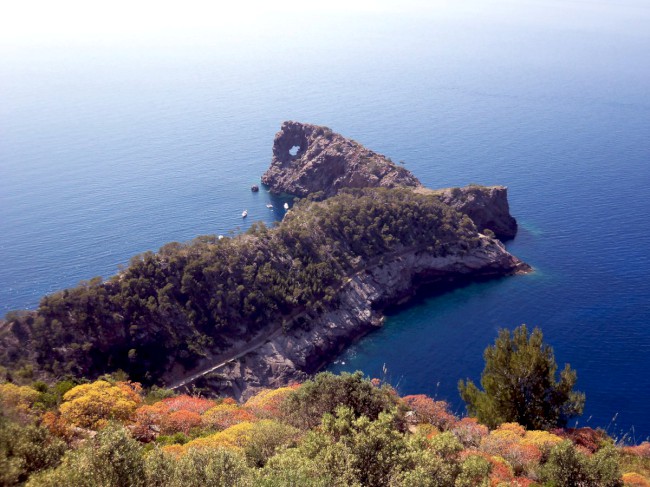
487, 206
325, 162
310, 159
315, 341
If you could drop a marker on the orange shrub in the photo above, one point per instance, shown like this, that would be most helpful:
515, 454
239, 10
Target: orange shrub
150, 415
429, 411
184, 402
633, 479
133, 390
428, 430
507, 441
501, 471
57, 426
174, 450
179, 422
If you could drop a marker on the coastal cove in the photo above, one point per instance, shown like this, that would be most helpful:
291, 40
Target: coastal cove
127, 167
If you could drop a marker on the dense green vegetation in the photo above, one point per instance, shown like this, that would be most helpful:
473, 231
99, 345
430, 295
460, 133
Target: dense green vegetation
330, 431
173, 305
519, 382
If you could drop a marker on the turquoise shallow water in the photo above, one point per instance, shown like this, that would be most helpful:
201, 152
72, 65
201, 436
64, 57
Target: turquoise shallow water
110, 151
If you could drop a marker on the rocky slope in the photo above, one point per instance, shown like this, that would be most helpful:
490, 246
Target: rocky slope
326, 162
313, 341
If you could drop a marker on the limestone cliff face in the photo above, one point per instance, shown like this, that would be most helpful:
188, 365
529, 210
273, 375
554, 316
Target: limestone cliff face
305, 348
327, 162
487, 206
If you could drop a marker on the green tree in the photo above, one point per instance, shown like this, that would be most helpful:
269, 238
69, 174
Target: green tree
216, 467
25, 450
306, 406
519, 384
111, 459
568, 467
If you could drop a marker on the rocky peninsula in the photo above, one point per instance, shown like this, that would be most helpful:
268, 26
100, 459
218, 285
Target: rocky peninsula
321, 165
271, 306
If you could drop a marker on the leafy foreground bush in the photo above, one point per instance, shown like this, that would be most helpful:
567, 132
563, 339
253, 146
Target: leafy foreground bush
331, 431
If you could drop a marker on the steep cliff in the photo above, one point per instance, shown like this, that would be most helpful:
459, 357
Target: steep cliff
313, 340
487, 206
325, 162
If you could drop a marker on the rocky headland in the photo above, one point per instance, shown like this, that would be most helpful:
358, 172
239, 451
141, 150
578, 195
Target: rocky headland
323, 162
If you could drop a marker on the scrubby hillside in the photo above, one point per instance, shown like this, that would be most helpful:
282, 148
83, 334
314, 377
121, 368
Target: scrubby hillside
331, 431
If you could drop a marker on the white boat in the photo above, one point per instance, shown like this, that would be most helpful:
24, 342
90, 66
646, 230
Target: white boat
269, 206
220, 237
286, 206
244, 214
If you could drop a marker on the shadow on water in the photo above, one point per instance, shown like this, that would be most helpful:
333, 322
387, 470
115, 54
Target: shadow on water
424, 291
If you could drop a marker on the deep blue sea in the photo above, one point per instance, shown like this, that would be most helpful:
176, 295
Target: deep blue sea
112, 148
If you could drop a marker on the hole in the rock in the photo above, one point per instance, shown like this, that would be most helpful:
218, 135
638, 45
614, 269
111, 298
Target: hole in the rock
294, 150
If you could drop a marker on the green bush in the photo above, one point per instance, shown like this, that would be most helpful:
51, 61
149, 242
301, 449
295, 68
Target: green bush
306, 406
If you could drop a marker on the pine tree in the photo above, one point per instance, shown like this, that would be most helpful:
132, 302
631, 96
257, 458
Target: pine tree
519, 384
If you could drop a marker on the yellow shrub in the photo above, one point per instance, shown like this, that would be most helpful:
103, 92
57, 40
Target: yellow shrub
266, 403
541, 439
225, 415
234, 437
515, 428
633, 479
17, 400
92, 405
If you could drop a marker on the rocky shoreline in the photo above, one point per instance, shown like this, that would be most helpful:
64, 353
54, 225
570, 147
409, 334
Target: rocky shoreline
307, 347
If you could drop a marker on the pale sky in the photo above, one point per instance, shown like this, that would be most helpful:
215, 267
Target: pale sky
43, 21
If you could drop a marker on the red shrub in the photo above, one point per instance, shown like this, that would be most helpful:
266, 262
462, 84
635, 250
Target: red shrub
642, 450
429, 411
588, 438
179, 422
